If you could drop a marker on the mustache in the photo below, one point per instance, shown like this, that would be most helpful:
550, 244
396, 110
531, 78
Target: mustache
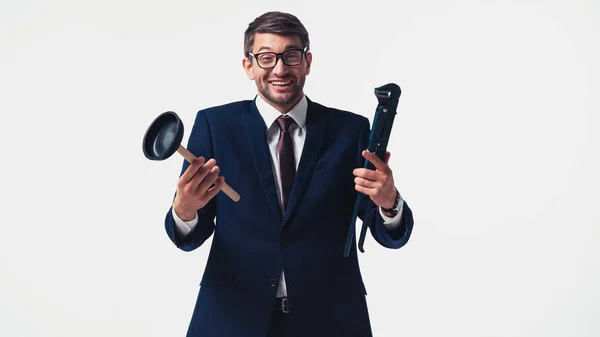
286, 77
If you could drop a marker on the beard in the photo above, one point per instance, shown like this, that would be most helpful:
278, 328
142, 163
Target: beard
285, 98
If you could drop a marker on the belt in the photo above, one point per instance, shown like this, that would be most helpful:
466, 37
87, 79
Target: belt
281, 304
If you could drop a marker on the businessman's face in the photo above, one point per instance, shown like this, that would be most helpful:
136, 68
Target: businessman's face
279, 83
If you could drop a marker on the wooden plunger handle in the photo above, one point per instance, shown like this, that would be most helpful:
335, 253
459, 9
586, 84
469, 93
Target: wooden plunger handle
226, 188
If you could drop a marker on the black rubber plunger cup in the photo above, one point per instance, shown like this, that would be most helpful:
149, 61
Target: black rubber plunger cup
163, 138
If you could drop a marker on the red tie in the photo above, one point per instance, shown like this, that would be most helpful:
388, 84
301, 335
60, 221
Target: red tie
287, 164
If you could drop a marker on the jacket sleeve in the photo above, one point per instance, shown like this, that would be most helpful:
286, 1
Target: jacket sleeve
369, 212
200, 145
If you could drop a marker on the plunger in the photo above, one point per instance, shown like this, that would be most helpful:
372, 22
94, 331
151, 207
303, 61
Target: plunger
164, 137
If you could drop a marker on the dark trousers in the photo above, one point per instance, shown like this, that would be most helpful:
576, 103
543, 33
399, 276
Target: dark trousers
279, 326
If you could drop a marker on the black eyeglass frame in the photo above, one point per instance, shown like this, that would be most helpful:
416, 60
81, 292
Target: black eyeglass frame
278, 56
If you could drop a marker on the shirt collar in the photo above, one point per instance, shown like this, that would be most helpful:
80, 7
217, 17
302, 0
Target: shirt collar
270, 114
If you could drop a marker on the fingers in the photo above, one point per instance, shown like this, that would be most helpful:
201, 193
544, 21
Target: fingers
197, 186
202, 173
367, 183
377, 162
211, 192
209, 178
374, 183
366, 190
191, 170
387, 157
367, 174
198, 177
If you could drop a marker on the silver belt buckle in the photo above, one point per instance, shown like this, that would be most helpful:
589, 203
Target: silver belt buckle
284, 305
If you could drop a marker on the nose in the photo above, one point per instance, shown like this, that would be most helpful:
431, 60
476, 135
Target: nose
280, 68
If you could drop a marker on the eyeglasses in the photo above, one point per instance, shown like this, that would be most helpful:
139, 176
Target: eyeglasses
268, 60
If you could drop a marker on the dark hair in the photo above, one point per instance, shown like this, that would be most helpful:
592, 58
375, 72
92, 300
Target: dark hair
275, 23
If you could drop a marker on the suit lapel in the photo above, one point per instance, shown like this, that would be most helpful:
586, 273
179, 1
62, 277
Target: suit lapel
315, 133
257, 141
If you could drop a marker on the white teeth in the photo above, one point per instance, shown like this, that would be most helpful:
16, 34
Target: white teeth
281, 82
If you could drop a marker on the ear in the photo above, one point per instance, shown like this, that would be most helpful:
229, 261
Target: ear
249, 68
308, 62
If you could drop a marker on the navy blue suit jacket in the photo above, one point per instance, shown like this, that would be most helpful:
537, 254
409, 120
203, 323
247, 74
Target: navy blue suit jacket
252, 241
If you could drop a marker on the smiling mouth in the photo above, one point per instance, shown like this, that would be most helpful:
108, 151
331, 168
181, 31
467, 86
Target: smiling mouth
281, 84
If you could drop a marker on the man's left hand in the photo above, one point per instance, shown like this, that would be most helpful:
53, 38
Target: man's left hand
378, 184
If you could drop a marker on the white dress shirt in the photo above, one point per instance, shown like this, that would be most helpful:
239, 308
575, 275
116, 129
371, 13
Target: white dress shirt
298, 134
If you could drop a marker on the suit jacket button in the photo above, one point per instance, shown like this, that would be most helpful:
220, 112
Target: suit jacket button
283, 243
273, 282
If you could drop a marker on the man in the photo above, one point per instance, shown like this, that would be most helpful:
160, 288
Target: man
276, 265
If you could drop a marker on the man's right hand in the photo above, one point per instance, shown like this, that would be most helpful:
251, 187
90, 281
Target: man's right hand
194, 189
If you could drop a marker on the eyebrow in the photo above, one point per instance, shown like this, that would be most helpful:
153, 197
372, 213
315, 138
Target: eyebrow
286, 48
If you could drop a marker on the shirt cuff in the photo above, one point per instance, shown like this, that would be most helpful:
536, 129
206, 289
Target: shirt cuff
393, 223
184, 227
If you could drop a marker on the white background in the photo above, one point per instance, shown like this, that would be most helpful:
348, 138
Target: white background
495, 148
